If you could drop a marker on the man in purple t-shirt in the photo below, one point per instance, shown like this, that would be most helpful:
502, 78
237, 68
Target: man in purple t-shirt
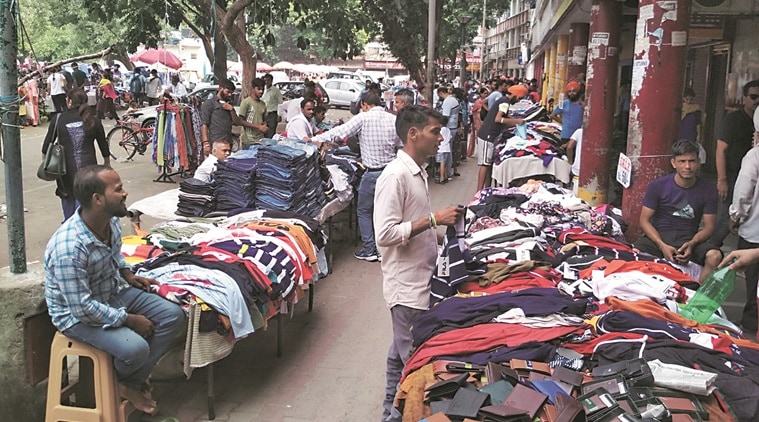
672, 210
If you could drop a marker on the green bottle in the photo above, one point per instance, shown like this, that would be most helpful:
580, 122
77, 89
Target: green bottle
708, 298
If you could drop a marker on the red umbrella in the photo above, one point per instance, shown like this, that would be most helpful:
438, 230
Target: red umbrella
157, 55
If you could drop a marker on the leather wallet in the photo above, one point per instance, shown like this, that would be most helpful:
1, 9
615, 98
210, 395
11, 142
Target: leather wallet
493, 372
550, 388
464, 367
635, 371
596, 401
503, 413
498, 391
447, 388
569, 410
467, 403
525, 398
615, 386
529, 365
440, 406
567, 375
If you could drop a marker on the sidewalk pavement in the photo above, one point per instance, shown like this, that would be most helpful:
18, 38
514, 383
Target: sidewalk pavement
333, 363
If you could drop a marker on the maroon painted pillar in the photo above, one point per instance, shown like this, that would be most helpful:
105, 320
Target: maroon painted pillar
601, 99
657, 85
578, 51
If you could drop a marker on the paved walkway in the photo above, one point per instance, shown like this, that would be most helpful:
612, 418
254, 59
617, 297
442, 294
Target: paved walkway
333, 367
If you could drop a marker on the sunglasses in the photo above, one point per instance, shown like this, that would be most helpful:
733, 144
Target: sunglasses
753, 97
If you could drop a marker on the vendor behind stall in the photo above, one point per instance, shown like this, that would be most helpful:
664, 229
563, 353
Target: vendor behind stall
672, 211
220, 151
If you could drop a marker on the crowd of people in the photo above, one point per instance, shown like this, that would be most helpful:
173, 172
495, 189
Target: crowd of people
681, 218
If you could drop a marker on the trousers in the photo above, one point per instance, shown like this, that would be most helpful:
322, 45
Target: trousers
365, 209
134, 357
400, 351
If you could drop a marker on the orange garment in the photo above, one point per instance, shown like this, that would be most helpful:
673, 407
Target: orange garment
650, 309
648, 267
412, 392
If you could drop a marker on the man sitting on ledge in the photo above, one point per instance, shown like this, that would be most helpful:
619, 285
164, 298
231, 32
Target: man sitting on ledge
92, 295
672, 210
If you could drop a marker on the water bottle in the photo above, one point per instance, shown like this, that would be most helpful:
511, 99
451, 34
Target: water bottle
708, 298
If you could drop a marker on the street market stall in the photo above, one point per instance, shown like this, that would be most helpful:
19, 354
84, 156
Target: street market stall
547, 313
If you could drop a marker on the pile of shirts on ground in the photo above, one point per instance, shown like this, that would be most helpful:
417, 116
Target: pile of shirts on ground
546, 313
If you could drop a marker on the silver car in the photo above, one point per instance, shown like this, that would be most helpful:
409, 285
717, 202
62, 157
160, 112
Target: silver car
342, 91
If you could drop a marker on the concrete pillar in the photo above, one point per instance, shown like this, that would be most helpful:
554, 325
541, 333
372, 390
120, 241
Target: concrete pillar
657, 83
544, 93
600, 94
551, 72
577, 55
562, 46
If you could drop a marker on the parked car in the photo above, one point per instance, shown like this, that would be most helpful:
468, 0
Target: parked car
294, 89
341, 74
210, 79
342, 91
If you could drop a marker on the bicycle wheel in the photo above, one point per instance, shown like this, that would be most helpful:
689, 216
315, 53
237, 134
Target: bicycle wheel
122, 136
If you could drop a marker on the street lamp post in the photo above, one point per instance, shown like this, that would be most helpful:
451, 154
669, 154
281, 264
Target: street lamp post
463, 20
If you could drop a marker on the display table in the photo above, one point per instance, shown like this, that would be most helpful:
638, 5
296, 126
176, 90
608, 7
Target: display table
530, 166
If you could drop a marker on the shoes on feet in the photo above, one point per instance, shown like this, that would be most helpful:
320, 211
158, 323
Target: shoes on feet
442, 182
370, 256
457, 174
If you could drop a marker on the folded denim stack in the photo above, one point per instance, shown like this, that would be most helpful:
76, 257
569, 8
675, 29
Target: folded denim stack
234, 179
196, 198
287, 178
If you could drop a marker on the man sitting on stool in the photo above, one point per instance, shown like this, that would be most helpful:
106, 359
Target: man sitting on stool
92, 295
672, 211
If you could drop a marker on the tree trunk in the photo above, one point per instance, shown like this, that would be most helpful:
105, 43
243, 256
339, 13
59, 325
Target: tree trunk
233, 26
123, 57
219, 61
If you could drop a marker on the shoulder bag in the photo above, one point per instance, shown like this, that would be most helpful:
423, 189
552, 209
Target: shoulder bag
54, 164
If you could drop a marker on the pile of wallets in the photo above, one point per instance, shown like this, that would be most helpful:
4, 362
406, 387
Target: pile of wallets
528, 391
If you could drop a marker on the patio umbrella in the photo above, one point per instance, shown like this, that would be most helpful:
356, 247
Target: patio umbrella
283, 65
157, 55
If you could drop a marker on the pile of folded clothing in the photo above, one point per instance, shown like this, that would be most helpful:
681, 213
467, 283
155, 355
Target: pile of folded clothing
235, 181
288, 179
196, 198
527, 110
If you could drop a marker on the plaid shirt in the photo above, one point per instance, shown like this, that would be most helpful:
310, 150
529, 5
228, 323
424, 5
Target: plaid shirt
376, 136
82, 274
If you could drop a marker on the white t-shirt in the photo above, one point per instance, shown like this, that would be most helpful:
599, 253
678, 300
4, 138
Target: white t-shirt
445, 145
577, 136
56, 82
205, 170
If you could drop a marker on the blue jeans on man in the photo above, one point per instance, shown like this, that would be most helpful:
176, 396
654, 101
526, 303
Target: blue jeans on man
365, 209
134, 357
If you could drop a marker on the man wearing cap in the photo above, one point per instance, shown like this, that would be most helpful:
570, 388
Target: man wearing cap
80, 78
569, 112
493, 125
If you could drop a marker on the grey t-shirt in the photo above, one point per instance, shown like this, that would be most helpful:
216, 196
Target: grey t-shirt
218, 120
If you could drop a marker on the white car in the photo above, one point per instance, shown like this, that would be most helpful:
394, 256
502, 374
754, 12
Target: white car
342, 91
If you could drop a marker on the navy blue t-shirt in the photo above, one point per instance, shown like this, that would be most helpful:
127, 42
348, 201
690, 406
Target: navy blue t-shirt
679, 209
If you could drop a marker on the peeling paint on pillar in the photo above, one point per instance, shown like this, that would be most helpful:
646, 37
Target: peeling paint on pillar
656, 88
602, 70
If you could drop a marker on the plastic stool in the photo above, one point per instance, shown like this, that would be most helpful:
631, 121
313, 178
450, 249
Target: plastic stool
96, 388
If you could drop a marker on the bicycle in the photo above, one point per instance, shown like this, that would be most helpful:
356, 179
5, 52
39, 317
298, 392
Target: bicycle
131, 136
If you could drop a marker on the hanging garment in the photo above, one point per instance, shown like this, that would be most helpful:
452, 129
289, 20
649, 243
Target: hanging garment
454, 265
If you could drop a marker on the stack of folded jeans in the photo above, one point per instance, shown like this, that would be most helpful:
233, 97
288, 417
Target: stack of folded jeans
287, 178
235, 181
196, 198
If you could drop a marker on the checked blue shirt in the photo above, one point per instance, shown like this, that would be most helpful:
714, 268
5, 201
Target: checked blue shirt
82, 274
